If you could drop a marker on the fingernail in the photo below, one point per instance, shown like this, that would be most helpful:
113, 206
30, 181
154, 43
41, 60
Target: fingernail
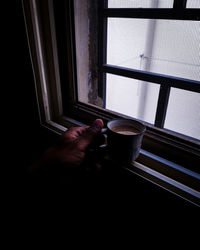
98, 123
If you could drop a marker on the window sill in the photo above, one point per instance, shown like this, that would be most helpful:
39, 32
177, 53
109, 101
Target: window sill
163, 181
163, 173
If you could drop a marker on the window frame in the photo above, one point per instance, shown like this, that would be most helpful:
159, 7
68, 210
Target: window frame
60, 109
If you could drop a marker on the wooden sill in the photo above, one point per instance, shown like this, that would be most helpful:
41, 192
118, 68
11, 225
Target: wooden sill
165, 182
168, 175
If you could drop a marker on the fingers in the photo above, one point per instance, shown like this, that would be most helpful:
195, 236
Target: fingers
78, 131
90, 133
72, 134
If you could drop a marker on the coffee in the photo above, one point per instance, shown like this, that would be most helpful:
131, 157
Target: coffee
126, 130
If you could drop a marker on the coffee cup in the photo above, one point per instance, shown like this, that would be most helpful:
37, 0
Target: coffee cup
124, 139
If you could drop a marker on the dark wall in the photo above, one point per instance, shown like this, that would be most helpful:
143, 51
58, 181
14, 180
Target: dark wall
21, 75
25, 138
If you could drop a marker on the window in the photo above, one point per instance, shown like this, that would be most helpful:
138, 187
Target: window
148, 59
86, 67
136, 42
166, 47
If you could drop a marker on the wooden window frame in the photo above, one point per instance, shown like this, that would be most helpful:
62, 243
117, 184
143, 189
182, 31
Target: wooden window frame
59, 108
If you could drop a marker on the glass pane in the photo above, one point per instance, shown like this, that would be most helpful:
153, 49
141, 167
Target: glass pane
140, 3
162, 46
183, 113
132, 97
193, 4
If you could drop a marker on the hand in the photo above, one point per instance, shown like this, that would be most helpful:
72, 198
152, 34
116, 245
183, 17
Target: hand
71, 149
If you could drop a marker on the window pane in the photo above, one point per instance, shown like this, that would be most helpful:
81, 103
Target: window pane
140, 3
162, 46
132, 97
183, 113
193, 4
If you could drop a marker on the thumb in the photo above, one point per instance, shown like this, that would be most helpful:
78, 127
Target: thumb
87, 138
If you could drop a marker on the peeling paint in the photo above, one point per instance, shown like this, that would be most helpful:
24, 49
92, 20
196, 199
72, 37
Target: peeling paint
86, 28
93, 52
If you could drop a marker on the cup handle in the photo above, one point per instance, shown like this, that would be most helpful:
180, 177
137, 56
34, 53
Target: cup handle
104, 130
100, 147
104, 133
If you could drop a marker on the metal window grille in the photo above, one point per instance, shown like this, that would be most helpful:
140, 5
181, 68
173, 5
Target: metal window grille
178, 12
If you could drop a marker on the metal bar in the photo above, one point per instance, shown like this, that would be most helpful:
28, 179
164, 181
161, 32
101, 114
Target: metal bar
162, 105
180, 4
172, 81
174, 14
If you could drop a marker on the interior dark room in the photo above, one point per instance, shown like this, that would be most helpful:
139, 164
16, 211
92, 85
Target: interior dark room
114, 189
